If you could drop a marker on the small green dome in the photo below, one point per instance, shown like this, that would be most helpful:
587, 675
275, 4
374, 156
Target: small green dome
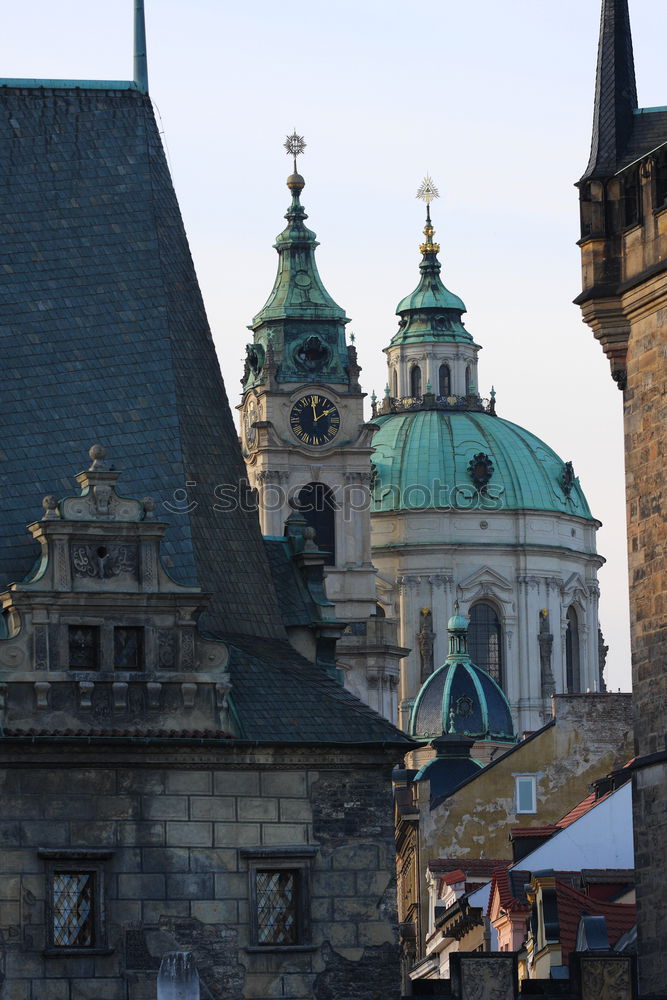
459, 698
466, 460
457, 622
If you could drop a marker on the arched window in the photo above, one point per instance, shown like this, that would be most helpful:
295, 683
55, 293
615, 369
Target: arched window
468, 379
394, 384
415, 381
444, 381
318, 506
572, 664
485, 640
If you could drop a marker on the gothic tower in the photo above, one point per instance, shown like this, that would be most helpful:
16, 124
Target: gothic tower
470, 507
306, 444
623, 199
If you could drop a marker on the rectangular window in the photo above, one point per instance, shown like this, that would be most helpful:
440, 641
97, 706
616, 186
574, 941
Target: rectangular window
128, 648
73, 909
75, 901
277, 894
279, 879
84, 647
526, 793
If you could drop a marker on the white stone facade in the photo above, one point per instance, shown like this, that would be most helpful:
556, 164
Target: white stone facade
519, 562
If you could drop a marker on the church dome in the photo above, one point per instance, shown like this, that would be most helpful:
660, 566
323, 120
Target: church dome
460, 698
468, 460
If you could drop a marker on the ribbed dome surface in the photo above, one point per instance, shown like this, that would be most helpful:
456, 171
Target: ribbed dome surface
462, 698
422, 461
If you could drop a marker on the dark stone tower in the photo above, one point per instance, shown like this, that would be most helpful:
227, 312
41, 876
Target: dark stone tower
623, 196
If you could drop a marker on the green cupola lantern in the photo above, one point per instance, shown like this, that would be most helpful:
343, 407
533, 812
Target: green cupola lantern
300, 327
431, 312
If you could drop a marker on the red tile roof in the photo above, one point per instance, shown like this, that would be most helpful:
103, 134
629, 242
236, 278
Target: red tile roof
470, 866
456, 876
506, 882
533, 831
572, 905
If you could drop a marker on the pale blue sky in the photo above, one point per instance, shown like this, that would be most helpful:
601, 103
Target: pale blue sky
494, 99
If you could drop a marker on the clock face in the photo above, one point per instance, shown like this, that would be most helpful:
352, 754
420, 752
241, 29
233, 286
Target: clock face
249, 418
315, 419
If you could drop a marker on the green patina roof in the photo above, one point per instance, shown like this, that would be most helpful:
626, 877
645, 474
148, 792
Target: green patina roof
422, 462
431, 312
459, 697
300, 329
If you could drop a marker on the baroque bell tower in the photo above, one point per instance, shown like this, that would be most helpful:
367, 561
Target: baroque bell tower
307, 445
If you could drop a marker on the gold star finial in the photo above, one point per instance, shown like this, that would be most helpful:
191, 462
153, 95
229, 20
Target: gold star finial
428, 192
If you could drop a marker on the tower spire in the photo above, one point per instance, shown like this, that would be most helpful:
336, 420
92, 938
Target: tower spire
615, 90
140, 59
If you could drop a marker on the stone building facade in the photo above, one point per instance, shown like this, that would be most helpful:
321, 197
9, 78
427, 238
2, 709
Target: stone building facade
623, 197
179, 769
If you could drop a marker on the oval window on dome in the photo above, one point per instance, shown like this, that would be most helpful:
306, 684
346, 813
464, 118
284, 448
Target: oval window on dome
485, 640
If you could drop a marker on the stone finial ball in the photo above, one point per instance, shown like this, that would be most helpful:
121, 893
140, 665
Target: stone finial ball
148, 503
309, 533
97, 453
50, 502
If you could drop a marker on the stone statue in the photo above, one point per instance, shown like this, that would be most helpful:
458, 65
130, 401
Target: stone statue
546, 641
425, 639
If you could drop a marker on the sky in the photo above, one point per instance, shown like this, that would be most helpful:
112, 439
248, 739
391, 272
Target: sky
493, 99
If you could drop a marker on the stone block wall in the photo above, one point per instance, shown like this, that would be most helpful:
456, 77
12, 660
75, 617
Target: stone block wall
646, 452
178, 835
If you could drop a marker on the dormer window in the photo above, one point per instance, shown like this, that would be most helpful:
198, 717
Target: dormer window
84, 647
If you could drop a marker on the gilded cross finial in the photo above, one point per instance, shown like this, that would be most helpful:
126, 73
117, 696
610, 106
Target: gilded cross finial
428, 192
295, 145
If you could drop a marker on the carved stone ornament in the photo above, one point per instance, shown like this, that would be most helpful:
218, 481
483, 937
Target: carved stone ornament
568, 478
103, 562
313, 354
464, 706
487, 979
606, 977
480, 469
254, 358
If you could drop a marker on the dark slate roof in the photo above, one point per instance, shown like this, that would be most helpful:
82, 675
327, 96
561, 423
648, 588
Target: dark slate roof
649, 132
104, 338
280, 696
615, 90
622, 132
295, 603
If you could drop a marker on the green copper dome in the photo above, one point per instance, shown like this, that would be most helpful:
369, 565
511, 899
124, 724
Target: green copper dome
461, 698
466, 460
